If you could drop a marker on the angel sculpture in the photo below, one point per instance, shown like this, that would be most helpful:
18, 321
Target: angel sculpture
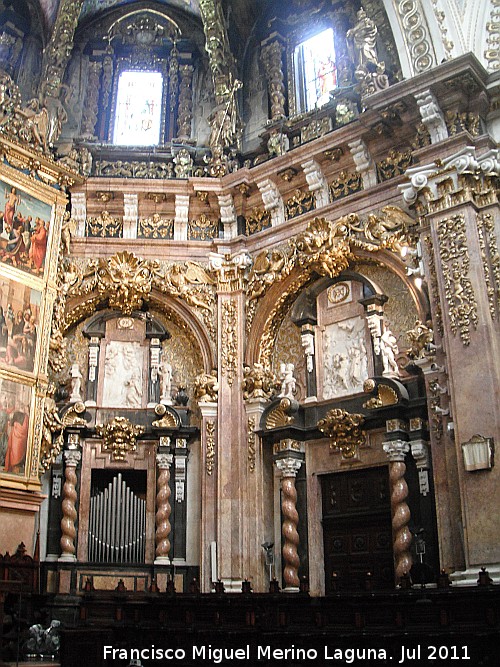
421, 340
183, 278
206, 387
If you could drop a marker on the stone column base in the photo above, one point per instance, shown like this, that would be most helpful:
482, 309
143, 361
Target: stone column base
470, 576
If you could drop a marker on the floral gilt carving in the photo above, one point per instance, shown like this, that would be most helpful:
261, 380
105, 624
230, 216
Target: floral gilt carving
344, 430
119, 437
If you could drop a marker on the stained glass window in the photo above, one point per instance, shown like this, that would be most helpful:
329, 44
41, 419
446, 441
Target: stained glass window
315, 70
138, 109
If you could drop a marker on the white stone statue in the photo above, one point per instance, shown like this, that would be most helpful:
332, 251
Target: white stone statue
76, 384
363, 38
165, 373
389, 349
288, 381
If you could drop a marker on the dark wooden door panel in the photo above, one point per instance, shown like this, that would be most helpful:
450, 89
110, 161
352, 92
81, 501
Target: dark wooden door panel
357, 529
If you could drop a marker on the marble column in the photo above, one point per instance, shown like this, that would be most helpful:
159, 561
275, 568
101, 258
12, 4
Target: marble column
289, 468
396, 451
72, 457
163, 509
233, 508
208, 535
259, 487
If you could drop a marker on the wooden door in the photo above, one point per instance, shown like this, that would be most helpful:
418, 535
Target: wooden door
357, 528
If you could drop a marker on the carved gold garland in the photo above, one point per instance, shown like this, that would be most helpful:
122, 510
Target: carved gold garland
210, 456
455, 264
229, 353
434, 293
491, 260
252, 438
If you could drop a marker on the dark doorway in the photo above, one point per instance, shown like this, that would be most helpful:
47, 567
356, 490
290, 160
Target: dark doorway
357, 529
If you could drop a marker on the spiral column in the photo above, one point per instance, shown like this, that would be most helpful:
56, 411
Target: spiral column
163, 508
288, 468
396, 451
71, 458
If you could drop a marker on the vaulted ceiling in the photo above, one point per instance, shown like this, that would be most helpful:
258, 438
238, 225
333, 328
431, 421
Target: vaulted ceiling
242, 12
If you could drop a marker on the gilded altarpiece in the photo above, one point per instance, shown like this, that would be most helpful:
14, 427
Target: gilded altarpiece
31, 215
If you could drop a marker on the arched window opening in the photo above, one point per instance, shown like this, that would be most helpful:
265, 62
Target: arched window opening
138, 109
315, 70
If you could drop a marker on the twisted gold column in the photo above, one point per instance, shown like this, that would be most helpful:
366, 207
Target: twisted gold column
289, 468
72, 458
163, 508
396, 450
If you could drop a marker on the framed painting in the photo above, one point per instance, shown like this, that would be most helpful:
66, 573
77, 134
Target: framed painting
20, 320
25, 225
15, 409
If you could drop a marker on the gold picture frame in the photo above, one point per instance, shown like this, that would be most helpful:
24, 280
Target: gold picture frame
29, 250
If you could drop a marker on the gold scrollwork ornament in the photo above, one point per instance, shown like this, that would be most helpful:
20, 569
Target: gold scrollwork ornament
119, 437
344, 430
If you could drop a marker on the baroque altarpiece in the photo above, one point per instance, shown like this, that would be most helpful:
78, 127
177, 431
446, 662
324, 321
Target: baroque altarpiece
263, 344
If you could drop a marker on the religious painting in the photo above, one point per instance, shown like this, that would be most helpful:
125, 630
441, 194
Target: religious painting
14, 426
123, 375
345, 359
24, 229
20, 315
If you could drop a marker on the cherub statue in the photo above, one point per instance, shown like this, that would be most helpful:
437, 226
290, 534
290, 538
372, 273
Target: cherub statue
421, 340
288, 382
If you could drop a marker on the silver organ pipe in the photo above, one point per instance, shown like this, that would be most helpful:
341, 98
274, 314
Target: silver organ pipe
117, 525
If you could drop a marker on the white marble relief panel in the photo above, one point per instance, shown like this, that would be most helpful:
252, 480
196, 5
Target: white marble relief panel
123, 375
345, 360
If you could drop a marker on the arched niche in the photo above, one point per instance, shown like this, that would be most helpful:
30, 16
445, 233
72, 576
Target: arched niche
331, 328
164, 329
